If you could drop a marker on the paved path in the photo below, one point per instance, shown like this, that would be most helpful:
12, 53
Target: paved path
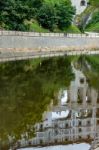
27, 45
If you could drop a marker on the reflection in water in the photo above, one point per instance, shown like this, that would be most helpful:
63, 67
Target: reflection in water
41, 104
73, 119
82, 146
26, 89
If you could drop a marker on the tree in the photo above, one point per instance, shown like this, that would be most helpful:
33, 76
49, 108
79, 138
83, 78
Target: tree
34, 3
65, 13
47, 16
59, 14
13, 13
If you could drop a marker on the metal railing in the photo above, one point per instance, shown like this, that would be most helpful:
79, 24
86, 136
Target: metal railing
50, 34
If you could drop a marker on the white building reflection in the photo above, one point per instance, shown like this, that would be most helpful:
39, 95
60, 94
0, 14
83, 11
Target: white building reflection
74, 119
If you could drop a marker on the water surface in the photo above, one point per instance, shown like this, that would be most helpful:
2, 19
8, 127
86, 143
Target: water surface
49, 101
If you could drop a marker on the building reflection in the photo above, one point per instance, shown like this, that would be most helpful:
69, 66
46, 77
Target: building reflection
73, 119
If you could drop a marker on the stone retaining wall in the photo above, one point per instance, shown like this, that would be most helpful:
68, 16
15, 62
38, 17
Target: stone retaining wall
27, 41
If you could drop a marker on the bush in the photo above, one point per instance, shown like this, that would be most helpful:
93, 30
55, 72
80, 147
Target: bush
65, 13
47, 16
14, 12
56, 15
50, 15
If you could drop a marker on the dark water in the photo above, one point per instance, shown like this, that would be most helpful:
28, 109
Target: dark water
49, 101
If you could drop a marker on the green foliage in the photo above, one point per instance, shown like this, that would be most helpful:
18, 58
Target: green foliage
93, 74
93, 24
72, 29
95, 18
47, 16
93, 28
65, 13
50, 14
35, 27
94, 61
94, 3
14, 12
56, 14
26, 89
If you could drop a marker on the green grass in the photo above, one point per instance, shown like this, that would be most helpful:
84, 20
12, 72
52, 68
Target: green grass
35, 27
93, 27
72, 29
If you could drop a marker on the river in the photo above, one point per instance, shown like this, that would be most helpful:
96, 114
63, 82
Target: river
49, 102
